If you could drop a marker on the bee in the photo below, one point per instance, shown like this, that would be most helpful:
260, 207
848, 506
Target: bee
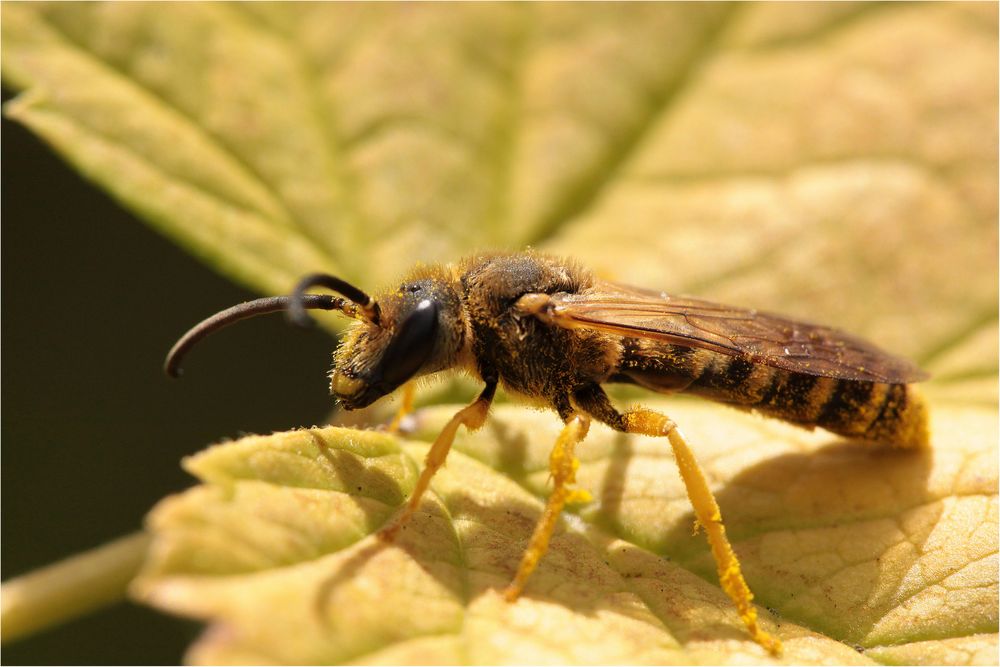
548, 330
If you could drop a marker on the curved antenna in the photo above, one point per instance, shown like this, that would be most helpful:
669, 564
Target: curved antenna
273, 304
367, 307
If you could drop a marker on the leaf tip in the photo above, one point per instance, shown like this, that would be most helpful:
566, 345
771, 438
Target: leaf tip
19, 107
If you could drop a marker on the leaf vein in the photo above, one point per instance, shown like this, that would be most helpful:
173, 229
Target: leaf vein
590, 188
248, 169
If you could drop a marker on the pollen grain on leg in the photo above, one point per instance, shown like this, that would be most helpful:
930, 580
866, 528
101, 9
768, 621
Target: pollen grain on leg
562, 467
707, 516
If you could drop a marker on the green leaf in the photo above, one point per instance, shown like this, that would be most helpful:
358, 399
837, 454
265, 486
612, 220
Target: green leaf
836, 162
880, 550
712, 149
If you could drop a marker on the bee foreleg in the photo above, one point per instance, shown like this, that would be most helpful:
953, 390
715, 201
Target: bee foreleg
405, 408
472, 416
562, 465
706, 509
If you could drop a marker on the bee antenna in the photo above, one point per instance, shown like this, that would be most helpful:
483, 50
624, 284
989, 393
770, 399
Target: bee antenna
367, 307
273, 304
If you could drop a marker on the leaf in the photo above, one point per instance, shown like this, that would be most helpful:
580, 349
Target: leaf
702, 148
836, 162
882, 550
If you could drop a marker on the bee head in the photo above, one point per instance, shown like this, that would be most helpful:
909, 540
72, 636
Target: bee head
415, 330
420, 331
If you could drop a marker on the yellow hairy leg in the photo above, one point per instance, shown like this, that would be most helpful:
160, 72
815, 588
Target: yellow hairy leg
472, 416
405, 408
706, 509
562, 465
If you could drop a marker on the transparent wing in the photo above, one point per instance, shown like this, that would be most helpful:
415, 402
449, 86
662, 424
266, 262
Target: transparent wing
753, 335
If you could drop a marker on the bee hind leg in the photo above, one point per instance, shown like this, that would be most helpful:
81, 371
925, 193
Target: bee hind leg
706, 509
562, 465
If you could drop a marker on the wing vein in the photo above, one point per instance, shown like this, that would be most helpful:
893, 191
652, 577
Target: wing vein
760, 337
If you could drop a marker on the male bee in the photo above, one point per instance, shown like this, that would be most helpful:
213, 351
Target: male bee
548, 330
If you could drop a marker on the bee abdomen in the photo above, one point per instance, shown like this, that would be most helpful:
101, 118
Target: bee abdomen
875, 411
794, 397
879, 412
888, 413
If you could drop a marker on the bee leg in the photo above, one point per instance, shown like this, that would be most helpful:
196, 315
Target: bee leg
562, 465
706, 509
472, 417
405, 408
647, 422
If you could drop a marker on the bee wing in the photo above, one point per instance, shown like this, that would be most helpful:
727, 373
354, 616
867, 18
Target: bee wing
752, 335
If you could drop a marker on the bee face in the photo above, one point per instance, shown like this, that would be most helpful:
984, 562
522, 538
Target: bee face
420, 333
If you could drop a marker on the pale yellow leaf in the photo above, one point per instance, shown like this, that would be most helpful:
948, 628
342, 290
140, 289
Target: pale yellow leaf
833, 161
847, 546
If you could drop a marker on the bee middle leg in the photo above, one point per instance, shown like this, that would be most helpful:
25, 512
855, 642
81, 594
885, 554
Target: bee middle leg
562, 465
472, 416
706, 509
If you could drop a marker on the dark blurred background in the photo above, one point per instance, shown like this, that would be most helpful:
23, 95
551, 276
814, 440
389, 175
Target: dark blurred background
93, 432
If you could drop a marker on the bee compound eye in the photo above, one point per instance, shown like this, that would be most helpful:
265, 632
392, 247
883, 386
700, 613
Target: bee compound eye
411, 346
